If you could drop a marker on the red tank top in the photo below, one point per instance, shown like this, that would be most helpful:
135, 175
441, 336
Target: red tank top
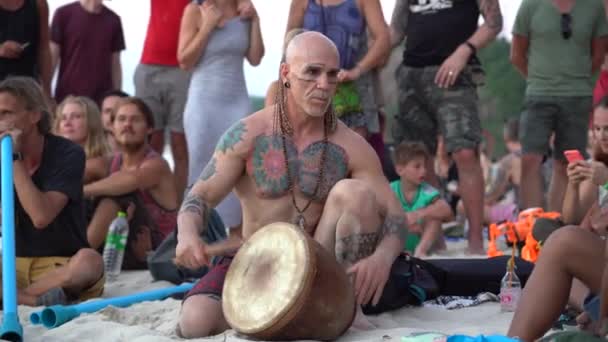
160, 47
166, 220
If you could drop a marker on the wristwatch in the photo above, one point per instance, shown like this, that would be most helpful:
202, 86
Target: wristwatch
17, 156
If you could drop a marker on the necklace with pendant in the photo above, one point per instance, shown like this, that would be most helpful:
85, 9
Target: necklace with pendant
300, 219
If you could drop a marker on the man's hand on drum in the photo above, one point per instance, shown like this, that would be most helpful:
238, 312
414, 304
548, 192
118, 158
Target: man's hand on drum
370, 277
191, 253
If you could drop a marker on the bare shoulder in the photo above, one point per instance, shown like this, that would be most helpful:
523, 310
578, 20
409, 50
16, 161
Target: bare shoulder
239, 138
360, 152
156, 163
98, 162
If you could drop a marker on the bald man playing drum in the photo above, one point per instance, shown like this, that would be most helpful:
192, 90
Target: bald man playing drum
295, 162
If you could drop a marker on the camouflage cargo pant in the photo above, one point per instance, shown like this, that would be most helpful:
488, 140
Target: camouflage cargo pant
426, 111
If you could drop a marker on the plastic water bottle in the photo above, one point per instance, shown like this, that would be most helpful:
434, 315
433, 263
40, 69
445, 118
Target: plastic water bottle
510, 289
114, 250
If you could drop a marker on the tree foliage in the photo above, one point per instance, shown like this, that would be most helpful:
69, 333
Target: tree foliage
502, 95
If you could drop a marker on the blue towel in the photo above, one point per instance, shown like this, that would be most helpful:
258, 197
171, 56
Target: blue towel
481, 338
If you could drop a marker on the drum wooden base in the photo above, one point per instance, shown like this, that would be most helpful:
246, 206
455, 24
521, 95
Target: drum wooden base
283, 285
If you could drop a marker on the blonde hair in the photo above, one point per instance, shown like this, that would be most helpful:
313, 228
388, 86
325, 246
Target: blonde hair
96, 144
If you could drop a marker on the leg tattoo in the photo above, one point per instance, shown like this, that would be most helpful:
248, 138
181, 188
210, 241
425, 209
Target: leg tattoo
352, 248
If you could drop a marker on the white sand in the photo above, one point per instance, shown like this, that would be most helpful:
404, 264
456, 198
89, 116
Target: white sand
155, 321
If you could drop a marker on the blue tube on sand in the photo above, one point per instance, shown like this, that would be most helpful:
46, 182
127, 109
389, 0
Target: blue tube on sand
56, 315
11, 328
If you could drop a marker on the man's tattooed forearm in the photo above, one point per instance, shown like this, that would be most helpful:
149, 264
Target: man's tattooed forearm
395, 224
195, 204
490, 9
208, 171
353, 248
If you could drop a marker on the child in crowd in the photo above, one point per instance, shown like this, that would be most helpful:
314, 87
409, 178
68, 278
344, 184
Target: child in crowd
424, 208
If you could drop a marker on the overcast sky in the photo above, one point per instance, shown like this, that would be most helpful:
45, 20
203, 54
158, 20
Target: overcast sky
273, 13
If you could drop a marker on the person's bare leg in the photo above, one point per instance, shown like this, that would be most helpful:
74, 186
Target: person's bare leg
201, 316
557, 187
431, 233
431, 174
100, 223
179, 149
531, 188
471, 179
578, 293
569, 253
349, 227
157, 141
82, 271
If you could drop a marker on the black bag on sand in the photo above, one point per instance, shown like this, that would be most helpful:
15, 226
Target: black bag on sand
410, 283
413, 281
469, 277
160, 262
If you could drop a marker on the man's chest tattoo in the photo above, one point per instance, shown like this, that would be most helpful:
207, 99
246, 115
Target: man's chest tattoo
268, 168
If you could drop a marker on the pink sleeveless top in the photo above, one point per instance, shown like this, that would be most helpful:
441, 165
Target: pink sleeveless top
166, 220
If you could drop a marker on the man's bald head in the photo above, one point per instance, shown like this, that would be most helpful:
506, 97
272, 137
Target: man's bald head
310, 45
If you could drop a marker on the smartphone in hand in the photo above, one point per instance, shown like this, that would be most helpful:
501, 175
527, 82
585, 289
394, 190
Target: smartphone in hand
573, 156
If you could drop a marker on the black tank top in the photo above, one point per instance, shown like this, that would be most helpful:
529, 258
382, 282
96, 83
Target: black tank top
436, 28
22, 26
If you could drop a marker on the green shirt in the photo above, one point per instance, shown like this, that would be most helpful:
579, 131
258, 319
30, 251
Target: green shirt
425, 196
558, 66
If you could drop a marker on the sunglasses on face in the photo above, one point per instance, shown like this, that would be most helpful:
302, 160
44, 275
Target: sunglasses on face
566, 25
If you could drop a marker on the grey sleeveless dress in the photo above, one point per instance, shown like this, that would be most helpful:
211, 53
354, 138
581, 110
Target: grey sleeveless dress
217, 98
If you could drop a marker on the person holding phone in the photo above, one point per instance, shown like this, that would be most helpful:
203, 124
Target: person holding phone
24, 41
573, 252
588, 179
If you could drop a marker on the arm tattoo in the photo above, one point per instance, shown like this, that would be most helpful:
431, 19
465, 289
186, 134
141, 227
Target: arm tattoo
231, 137
400, 16
196, 205
209, 170
353, 248
490, 9
395, 224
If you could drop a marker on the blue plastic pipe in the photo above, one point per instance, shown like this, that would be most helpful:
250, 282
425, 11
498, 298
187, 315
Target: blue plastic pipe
11, 328
56, 315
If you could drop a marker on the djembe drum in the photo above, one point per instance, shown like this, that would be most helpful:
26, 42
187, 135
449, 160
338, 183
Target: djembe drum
283, 285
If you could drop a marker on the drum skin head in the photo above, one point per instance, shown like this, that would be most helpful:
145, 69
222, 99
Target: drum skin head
266, 278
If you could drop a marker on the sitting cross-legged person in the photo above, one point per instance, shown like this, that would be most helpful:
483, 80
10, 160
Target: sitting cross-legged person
139, 177
54, 262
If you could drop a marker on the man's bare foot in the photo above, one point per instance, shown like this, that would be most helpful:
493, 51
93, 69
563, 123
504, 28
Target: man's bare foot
361, 322
585, 323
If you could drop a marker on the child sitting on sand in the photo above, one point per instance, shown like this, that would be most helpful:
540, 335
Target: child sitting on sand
425, 209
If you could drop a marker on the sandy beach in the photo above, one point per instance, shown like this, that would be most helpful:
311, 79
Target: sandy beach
156, 321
